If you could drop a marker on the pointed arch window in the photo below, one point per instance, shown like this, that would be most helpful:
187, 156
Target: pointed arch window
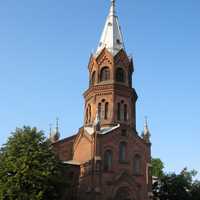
120, 75
122, 151
105, 74
108, 157
137, 165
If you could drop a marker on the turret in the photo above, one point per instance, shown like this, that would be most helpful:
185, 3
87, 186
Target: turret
54, 135
110, 91
146, 133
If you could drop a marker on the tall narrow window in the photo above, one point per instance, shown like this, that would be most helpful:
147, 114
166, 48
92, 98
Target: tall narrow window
106, 111
122, 151
89, 113
125, 112
118, 111
93, 78
108, 160
86, 119
120, 75
137, 165
105, 74
99, 110
122, 111
130, 79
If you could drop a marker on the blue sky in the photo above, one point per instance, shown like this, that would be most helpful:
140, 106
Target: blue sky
44, 52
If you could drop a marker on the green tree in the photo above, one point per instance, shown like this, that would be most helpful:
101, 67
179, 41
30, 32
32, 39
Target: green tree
29, 169
177, 186
195, 191
157, 167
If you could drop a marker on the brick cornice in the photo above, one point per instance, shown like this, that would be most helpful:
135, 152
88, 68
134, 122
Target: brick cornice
109, 89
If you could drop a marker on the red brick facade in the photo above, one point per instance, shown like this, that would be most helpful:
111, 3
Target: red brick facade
107, 158
125, 178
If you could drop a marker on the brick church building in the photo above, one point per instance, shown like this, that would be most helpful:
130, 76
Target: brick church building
107, 159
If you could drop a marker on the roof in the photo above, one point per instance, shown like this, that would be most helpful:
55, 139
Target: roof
111, 37
72, 162
67, 139
103, 130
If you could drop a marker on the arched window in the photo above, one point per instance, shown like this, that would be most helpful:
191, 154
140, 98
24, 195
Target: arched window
93, 78
122, 151
118, 111
120, 75
137, 165
106, 111
105, 74
108, 160
122, 111
125, 112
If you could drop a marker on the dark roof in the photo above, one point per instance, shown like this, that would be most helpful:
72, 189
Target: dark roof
67, 139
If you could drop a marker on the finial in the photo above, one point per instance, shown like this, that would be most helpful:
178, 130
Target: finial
112, 8
146, 133
50, 129
57, 125
97, 118
111, 38
55, 134
146, 122
97, 121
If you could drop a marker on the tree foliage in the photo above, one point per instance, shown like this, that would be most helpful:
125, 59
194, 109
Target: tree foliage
157, 167
177, 186
29, 169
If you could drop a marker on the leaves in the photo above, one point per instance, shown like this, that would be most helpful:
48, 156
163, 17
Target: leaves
29, 168
157, 167
177, 186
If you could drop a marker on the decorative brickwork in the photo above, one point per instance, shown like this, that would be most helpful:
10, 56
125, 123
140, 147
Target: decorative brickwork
107, 158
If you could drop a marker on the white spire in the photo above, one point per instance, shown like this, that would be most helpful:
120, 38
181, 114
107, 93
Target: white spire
111, 37
146, 133
146, 128
97, 121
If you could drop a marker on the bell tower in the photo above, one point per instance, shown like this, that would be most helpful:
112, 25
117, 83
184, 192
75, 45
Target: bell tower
110, 91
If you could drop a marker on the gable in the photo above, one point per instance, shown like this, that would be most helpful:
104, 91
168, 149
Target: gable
82, 150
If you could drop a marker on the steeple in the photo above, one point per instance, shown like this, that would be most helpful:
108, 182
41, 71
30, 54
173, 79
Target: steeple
110, 90
111, 37
55, 134
146, 133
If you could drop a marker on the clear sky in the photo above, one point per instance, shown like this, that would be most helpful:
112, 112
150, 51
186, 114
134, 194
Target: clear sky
44, 51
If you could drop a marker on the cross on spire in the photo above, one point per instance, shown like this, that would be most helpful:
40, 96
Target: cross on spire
112, 8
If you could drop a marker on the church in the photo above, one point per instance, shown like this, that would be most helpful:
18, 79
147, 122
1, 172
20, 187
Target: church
107, 159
